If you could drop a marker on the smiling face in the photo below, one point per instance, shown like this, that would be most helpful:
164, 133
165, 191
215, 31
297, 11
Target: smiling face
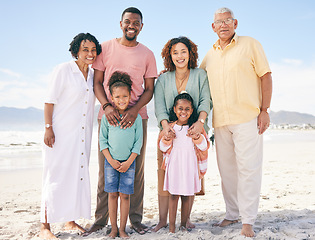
87, 52
183, 111
121, 98
225, 31
131, 25
180, 55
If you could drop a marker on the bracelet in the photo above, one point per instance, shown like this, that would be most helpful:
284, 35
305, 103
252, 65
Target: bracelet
105, 105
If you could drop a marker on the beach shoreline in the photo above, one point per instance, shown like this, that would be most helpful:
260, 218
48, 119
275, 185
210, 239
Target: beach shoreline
286, 209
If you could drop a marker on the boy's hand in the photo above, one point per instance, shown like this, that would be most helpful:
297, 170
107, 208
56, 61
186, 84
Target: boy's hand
124, 166
115, 164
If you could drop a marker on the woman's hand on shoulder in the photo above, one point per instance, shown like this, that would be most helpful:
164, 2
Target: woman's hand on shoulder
49, 137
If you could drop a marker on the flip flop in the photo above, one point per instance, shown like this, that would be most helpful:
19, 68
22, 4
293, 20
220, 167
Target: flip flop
185, 229
141, 228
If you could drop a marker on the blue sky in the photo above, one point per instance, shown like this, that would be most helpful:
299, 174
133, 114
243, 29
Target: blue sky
36, 36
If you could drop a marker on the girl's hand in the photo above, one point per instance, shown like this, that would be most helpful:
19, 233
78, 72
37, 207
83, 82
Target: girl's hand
114, 163
49, 137
112, 115
195, 136
124, 166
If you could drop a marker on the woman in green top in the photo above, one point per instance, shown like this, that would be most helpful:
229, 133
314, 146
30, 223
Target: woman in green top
180, 62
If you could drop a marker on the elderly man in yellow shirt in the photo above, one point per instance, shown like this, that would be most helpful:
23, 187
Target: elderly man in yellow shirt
241, 88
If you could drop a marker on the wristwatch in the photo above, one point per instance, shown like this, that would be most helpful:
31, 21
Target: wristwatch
267, 110
48, 125
201, 120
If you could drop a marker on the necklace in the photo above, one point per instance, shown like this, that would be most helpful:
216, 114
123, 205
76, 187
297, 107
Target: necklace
181, 82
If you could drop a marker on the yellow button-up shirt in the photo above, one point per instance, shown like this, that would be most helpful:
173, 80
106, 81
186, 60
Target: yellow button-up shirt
234, 78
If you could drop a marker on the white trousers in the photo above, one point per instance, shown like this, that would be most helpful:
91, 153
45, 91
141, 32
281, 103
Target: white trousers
239, 155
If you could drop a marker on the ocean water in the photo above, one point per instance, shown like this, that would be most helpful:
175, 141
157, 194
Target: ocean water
23, 150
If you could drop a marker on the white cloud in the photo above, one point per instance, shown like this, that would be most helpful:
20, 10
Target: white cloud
10, 72
24, 92
296, 62
293, 86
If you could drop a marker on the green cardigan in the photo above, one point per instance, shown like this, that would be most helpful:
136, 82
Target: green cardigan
165, 92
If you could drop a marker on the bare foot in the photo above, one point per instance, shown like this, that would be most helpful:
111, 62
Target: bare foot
172, 228
94, 228
73, 226
123, 234
113, 233
189, 224
159, 226
247, 230
225, 223
45, 232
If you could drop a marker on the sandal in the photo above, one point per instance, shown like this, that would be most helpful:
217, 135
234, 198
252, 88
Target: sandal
140, 228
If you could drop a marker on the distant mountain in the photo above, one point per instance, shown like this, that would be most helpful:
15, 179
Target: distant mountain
28, 119
286, 117
31, 119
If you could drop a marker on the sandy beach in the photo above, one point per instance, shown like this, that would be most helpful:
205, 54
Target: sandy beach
286, 210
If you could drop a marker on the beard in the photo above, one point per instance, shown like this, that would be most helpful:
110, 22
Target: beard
130, 38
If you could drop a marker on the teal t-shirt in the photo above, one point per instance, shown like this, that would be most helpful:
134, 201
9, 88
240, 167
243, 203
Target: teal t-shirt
121, 142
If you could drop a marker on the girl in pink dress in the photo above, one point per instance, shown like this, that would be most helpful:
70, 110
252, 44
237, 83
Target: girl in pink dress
184, 158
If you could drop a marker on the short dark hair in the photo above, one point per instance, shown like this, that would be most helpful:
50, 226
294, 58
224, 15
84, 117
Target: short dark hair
192, 49
119, 79
76, 42
132, 10
193, 117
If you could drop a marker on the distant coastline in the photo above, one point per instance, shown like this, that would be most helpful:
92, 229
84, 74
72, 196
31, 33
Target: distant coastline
32, 119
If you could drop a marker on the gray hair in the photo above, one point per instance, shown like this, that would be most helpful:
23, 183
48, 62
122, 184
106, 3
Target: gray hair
224, 10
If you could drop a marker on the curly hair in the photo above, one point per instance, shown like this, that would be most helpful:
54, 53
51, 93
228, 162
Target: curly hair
193, 117
76, 43
166, 53
119, 79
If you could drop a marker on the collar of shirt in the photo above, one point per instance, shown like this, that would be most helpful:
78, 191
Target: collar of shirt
217, 46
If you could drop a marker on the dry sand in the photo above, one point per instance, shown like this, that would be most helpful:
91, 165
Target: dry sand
286, 211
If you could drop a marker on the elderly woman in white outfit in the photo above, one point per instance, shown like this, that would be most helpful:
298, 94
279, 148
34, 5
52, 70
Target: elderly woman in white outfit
68, 114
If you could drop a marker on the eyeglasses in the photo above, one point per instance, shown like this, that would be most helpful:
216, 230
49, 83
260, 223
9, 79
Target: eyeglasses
227, 21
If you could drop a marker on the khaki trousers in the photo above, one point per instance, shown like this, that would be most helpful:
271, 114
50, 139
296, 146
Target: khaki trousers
136, 199
239, 155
